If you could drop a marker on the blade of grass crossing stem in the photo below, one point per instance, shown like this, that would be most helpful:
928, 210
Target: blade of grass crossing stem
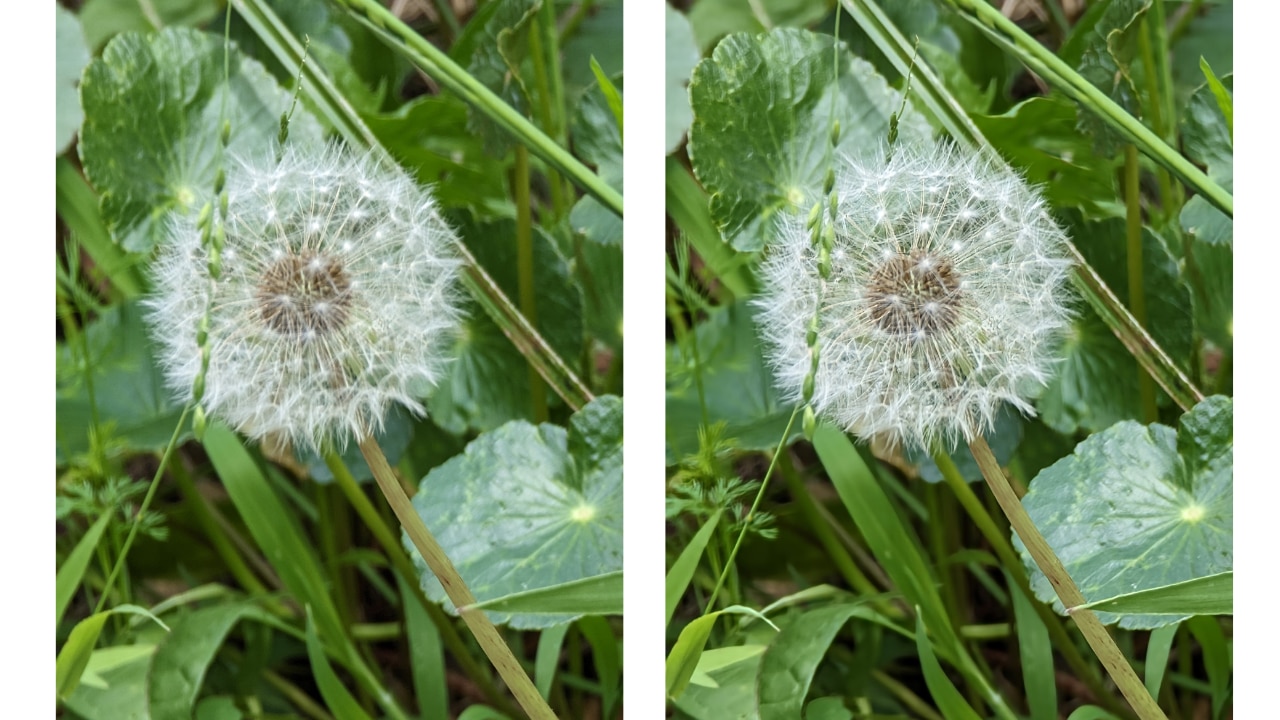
1157, 660
1036, 654
608, 659
595, 595
948, 699
547, 659
325, 98
437, 64
72, 570
893, 546
1041, 60
336, 696
938, 100
426, 657
276, 531
77, 204
491, 641
1217, 658
681, 573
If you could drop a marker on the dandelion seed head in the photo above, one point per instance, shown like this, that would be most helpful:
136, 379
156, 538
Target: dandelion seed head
335, 308
947, 297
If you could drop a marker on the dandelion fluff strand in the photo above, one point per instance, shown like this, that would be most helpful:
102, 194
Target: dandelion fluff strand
946, 297
336, 297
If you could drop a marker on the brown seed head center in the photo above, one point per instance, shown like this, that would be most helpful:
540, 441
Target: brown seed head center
304, 294
914, 295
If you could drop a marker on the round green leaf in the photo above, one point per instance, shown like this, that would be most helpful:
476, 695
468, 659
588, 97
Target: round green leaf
1139, 507
762, 118
488, 383
1096, 384
73, 55
153, 116
528, 507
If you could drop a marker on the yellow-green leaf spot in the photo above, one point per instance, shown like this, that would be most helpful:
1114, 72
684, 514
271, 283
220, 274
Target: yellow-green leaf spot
1193, 513
583, 513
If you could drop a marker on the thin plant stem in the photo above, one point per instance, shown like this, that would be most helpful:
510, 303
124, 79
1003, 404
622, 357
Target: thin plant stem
524, 272
142, 510
998, 539
481, 626
1095, 633
546, 71
1137, 298
400, 561
755, 505
1189, 13
909, 699
1156, 98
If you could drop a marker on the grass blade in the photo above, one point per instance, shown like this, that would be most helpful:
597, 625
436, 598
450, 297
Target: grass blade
72, 570
335, 694
681, 573
948, 699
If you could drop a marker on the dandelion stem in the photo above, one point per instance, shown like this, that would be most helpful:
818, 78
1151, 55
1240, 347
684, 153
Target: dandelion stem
481, 626
400, 561
999, 540
1094, 632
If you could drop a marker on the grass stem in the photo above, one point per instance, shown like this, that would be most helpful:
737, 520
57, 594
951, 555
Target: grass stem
504, 661
1095, 633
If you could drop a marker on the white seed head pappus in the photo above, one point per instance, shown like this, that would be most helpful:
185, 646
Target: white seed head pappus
337, 297
946, 297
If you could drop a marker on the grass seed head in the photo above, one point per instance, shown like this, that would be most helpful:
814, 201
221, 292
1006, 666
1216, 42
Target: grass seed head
946, 297
337, 297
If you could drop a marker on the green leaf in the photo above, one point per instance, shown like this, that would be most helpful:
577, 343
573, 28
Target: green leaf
497, 52
606, 654
1106, 62
713, 19
124, 698
183, 658
481, 712
681, 572
73, 55
789, 664
133, 405
547, 659
599, 273
153, 106
1220, 93
886, 535
218, 707
828, 708
426, 656
336, 696
1206, 130
1208, 595
488, 383
428, 136
104, 660
529, 507
736, 384
103, 19
1157, 659
682, 55
595, 595
72, 570
1209, 37
1036, 653
597, 137
1211, 297
944, 693
1039, 137
1139, 507
725, 693
1091, 712
74, 655
1096, 384
595, 38
687, 651
1216, 654
763, 109
78, 207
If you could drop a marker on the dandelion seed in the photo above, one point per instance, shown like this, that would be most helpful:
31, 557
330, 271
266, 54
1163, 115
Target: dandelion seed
334, 309
933, 319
